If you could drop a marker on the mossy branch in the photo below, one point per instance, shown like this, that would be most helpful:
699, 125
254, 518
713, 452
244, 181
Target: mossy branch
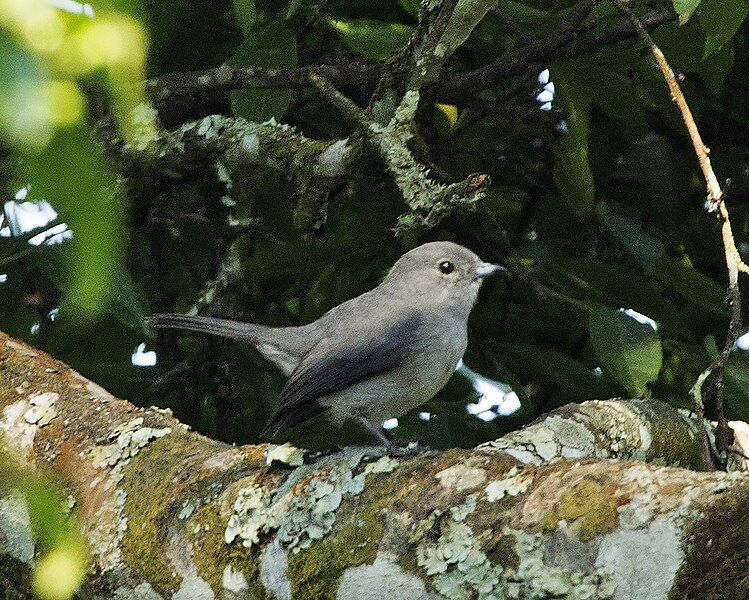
540, 512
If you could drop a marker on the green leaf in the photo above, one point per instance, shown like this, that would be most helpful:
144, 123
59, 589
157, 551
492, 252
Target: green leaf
410, 6
269, 44
188, 35
721, 19
685, 8
247, 14
630, 352
572, 172
373, 39
737, 386
293, 7
715, 69
71, 174
576, 381
690, 283
640, 244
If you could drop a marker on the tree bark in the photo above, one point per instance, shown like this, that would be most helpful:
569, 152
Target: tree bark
585, 503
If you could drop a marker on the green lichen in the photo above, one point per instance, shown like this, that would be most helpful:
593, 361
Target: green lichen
717, 553
205, 530
317, 571
150, 503
588, 507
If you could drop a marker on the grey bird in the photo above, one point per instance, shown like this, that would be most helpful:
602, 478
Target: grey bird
373, 357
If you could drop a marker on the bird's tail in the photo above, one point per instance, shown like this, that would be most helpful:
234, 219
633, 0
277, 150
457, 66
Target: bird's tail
222, 327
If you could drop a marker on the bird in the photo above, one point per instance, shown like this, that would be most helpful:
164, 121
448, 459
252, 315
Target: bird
376, 356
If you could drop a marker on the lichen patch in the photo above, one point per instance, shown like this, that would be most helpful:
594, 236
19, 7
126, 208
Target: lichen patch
42, 409
274, 565
286, 454
303, 509
17, 433
516, 482
461, 477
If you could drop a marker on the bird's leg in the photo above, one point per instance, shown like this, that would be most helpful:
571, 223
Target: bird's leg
378, 433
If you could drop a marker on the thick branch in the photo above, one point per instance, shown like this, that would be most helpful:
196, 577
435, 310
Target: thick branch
315, 166
171, 514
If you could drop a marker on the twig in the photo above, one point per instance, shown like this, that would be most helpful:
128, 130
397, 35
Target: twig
523, 36
562, 44
346, 107
724, 435
226, 78
469, 85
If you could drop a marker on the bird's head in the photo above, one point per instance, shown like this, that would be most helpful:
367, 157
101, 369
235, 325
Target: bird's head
442, 273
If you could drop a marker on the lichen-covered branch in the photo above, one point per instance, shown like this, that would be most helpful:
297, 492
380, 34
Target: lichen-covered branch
315, 166
537, 514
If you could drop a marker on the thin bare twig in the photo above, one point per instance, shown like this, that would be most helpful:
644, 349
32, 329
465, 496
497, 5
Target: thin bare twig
715, 197
524, 38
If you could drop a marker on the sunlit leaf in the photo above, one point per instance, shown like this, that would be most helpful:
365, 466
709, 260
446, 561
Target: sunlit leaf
685, 8
374, 39
630, 352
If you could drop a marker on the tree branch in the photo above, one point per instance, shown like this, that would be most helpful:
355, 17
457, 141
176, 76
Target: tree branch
171, 87
560, 45
225, 78
171, 514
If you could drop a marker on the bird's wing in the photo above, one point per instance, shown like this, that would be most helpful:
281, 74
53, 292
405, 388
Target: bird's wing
338, 362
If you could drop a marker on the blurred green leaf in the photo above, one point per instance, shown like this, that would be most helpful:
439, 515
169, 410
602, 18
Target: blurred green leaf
61, 562
721, 19
70, 173
21, 79
268, 44
630, 352
373, 39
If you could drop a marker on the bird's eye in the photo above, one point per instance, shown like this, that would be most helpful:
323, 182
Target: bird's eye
447, 267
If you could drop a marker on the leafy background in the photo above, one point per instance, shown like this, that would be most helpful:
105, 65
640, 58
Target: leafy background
599, 198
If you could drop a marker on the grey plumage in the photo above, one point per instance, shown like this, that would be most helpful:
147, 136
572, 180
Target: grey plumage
376, 356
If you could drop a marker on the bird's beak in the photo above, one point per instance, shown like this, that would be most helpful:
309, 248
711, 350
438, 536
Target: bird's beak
486, 269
